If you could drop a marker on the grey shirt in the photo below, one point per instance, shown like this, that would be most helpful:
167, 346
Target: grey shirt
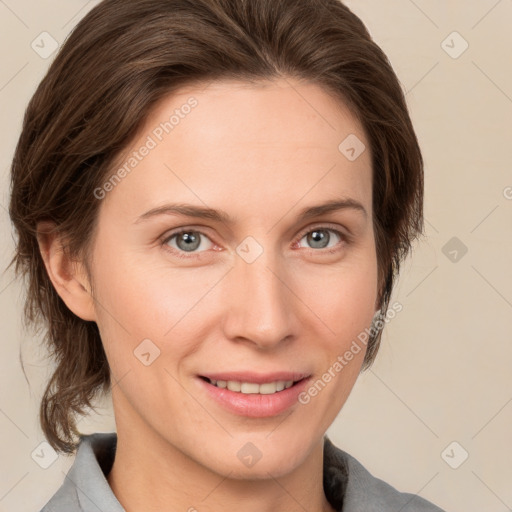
348, 486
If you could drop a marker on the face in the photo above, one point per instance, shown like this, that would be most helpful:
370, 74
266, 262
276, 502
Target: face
263, 293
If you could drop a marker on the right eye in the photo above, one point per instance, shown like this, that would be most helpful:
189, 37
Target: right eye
184, 241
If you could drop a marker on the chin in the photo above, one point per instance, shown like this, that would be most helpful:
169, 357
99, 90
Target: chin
255, 459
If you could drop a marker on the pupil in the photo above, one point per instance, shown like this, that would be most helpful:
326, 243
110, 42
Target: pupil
319, 237
191, 241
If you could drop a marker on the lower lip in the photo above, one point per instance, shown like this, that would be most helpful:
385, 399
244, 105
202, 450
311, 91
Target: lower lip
254, 405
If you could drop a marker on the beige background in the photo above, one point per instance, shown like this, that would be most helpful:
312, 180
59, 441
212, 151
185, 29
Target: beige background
444, 372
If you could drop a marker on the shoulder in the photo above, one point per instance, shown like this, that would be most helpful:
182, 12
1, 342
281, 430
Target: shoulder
346, 481
363, 491
65, 499
85, 488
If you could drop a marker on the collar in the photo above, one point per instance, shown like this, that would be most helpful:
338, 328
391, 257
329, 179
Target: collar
348, 486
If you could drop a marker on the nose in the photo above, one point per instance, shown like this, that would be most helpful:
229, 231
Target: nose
259, 302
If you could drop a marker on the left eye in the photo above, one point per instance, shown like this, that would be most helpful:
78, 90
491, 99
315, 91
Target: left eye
320, 237
187, 241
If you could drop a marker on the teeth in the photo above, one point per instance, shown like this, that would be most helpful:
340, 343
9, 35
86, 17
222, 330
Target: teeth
247, 388
234, 386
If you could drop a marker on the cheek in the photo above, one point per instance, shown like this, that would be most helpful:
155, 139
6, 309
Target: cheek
138, 301
134, 292
342, 297
347, 307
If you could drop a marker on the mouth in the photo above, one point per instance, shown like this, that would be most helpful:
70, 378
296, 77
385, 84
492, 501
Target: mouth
249, 388
254, 395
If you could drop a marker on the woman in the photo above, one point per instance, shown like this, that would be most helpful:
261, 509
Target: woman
212, 201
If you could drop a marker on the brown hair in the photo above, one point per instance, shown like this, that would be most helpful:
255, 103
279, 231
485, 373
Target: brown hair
123, 57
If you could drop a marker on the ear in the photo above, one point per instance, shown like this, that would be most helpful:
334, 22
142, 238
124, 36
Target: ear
68, 276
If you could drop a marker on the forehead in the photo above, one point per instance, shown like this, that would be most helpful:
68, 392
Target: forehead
230, 138
258, 112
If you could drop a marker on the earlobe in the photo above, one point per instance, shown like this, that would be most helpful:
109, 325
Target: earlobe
68, 277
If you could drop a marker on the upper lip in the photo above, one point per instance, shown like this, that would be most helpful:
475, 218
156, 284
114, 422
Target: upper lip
259, 378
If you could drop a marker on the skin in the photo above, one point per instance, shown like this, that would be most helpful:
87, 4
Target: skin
261, 153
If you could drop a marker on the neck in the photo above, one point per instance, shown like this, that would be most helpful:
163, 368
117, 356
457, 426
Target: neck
150, 474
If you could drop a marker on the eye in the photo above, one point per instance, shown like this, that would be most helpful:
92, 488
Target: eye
185, 241
320, 238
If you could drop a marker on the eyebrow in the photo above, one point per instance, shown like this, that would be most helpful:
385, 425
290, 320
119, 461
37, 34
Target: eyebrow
190, 210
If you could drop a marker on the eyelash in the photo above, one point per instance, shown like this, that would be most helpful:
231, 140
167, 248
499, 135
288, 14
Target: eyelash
344, 239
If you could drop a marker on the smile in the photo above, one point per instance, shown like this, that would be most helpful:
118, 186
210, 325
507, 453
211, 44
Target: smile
253, 399
267, 388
